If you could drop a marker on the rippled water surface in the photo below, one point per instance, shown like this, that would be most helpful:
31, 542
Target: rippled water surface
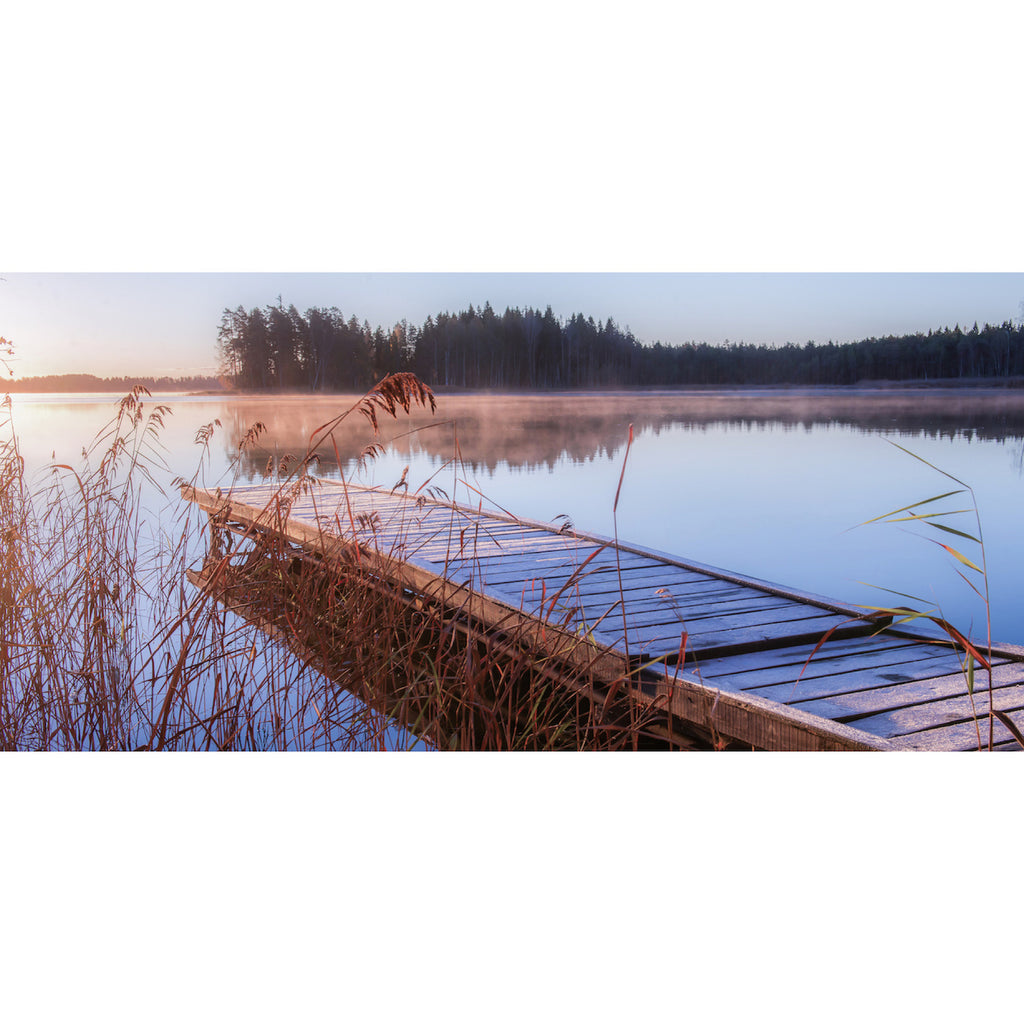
769, 483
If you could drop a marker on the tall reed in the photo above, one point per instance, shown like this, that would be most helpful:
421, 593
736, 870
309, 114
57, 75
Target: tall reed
934, 513
426, 664
106, 645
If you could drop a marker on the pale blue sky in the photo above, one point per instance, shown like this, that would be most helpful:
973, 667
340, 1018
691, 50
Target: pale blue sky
141, 323
670, 137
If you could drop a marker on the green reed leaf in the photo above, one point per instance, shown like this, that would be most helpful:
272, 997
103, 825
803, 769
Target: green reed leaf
961, 558
916, 504
900, 615
950, 529
948, 476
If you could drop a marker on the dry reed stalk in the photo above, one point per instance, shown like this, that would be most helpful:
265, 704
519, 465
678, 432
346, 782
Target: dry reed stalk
421, 662
104, 646
97, 630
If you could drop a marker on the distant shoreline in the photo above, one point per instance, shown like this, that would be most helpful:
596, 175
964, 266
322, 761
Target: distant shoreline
108, 387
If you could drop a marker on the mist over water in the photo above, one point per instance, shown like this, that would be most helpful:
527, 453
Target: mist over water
770, 482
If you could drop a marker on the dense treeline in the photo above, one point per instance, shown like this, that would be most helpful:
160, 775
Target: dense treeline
275, 347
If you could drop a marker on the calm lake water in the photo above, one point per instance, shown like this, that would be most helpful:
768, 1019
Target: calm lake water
769, 483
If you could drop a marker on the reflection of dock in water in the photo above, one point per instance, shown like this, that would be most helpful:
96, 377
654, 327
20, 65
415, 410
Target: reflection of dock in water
704, 652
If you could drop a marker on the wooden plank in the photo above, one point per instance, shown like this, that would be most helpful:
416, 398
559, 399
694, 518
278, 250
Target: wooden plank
950, 709
801, 622
761, 608
429, 518
665, 644
699, 605
721, 617
845, 703
505, 531
795, 691
730, 631
443, 532
468, 530
646, 582
603, 584
643, 623
675, 582
849, 675
533, 555
961, 736
541, 561
670, 560
601, 566
426, 518
516, 591
643, 601
702, 605
836, 656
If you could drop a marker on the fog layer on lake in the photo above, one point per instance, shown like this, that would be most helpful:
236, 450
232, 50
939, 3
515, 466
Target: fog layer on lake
772, 483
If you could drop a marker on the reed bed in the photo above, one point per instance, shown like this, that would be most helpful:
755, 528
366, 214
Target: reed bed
111, 639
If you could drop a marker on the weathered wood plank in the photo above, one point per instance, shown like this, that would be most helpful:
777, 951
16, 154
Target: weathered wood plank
834, 697
723, 631
722, 617
663, 643
591, 588
955, 707
468, 530
961, 736
643, 618
520, 559
848, 675
441, 552
708, 602
700, 605
834, 658
542, 561
795, 691
601, 568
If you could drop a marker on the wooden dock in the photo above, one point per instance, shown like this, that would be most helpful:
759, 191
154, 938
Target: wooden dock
720, 654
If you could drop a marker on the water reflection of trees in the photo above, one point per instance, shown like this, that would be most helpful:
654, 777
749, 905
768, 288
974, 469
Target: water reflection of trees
542, 430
